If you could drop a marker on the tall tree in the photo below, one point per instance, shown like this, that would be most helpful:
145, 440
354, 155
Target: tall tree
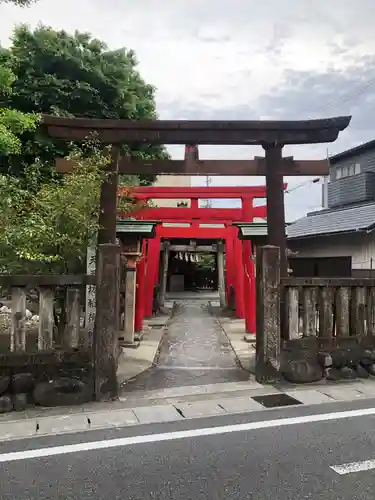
72, 75
47, 228
13, 123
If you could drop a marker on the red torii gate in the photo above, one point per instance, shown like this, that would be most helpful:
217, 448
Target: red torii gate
239, 261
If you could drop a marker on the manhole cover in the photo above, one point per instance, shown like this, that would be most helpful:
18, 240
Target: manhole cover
275, 400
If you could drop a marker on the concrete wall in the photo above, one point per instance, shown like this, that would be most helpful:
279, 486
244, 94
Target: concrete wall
360, 247
171, 181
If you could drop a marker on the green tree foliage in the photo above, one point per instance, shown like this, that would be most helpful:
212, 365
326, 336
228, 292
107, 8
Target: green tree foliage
71, 75
47, 228
13, 123
206, 263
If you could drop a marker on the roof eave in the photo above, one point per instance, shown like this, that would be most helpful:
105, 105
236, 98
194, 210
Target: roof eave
322, 235
361, 148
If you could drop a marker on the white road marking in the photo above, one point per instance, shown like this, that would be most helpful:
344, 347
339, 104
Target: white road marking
169, 436
354, 467
197, 368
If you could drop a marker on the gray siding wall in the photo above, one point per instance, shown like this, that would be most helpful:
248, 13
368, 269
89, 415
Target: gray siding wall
353, 189
356, 188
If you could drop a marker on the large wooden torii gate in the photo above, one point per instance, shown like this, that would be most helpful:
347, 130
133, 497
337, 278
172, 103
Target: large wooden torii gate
271, 135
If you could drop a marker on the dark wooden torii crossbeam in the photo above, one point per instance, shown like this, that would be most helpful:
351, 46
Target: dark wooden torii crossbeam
271, 135
257, 166
223, 132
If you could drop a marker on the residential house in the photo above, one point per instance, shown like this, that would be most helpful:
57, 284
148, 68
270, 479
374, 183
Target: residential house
339, 240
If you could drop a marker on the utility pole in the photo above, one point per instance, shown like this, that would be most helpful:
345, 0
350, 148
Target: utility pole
208, 183
325, 188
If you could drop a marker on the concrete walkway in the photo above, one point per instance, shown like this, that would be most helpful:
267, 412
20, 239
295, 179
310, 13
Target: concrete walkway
194, 351
243, 344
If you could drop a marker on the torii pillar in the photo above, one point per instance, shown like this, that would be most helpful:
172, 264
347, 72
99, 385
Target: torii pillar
248, 263
140, 296
152, 272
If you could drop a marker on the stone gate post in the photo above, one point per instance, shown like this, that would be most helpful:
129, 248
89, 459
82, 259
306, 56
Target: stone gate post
107, 321
268, 338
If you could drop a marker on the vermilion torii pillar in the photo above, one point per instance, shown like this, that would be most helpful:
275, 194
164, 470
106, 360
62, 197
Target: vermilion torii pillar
248, 263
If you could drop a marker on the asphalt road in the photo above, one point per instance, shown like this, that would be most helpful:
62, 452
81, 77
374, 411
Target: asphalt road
280, 454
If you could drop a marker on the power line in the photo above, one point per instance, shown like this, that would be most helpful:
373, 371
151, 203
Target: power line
306, 183
344, 99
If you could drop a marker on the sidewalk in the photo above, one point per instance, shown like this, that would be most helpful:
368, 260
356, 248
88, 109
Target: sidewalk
133, 361
177, 403
243, 344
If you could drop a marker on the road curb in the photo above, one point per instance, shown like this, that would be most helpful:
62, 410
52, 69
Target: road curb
155, 358
112, 418
237, 357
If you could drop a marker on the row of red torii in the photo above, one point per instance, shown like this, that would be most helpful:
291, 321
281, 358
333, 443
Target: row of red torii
196, 223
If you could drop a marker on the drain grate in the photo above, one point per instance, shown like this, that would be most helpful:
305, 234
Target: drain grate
275, 400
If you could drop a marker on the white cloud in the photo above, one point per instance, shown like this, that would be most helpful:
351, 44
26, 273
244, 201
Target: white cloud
238, 59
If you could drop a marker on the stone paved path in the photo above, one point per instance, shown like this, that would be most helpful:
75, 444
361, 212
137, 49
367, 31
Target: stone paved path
194, 351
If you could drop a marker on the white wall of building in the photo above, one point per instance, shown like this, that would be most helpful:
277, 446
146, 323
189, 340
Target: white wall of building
171, 181
360, 247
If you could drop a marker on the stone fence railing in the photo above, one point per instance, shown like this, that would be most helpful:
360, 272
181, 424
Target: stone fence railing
45, 358
312, 328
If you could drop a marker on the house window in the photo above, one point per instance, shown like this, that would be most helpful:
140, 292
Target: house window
348, 170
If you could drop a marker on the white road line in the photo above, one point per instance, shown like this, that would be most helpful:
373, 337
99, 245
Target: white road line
169, 436
197, 368
354, 467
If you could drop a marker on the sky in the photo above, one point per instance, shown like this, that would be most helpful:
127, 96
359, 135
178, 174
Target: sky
239, 59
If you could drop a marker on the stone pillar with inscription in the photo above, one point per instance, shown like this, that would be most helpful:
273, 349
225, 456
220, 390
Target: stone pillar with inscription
107, 322
140, 292
90, 308
221, 273
268, 338
131, 253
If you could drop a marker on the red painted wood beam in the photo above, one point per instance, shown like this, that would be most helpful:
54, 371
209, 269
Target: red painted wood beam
188, 214
185, 223
143, 192
192, 232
